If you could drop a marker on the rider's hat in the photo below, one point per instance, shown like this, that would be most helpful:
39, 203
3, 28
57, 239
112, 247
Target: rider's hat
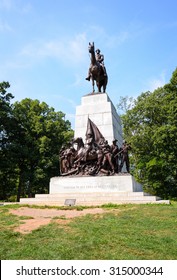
97, 50
114, 141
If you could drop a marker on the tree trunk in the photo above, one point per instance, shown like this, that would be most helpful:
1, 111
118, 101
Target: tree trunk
20, 184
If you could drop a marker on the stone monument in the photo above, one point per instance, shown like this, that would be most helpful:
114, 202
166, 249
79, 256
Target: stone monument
92, 165
99, 108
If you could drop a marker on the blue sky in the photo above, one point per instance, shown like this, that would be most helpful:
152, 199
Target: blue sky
44, 47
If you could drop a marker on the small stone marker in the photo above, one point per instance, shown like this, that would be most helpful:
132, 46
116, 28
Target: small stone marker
70, 202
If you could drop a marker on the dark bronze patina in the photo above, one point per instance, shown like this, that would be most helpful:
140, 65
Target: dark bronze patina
97, 70
95, 157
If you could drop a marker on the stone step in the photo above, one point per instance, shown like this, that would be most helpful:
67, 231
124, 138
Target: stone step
95, 194
93, 203
92, 199
98, 196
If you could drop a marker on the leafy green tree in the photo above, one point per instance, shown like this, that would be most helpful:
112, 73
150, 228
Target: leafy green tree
151, 128
41, 133
31, 135
6, 124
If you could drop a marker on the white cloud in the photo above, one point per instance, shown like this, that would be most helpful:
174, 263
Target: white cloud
6, 4
157, 82
66, 100
16, 64
97, 30
117, 40
109, 40
77, 82
70, 51
4, 27
18, 6
26, 8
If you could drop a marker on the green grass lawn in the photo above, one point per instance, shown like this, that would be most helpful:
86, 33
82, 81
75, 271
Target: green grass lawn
127, 232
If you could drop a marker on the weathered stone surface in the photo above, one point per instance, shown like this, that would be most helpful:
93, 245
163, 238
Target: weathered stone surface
99, 108
92, 184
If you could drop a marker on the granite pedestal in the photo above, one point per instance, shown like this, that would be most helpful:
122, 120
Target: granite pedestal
94, 184
99, 108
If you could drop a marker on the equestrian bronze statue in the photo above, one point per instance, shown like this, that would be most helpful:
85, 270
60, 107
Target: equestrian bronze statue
97, 70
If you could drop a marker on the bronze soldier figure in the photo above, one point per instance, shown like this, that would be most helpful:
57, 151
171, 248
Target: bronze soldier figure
124, 156
115, 155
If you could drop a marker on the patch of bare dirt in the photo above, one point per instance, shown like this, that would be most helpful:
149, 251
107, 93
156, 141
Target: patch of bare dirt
40, 217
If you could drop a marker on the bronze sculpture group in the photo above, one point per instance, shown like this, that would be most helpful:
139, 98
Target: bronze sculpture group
96, 157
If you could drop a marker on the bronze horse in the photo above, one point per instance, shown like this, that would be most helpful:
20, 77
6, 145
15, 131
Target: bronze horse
96, 70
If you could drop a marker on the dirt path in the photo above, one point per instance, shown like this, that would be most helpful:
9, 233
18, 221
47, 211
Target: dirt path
40, 217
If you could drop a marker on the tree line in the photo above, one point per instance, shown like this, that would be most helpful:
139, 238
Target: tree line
31, 135
150, 126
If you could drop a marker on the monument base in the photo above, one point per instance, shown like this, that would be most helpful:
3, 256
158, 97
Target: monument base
93, 191
92, 184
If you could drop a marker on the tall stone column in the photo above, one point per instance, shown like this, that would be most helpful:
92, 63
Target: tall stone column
100, 109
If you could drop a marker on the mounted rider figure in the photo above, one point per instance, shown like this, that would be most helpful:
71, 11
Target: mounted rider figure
100, 61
